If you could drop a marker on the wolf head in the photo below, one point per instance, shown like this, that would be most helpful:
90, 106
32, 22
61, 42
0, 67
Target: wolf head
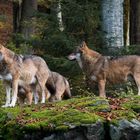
78, 52
6, 54
82, 50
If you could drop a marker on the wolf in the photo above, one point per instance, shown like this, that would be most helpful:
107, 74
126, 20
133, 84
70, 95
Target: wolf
6, 78
102, 69
24, 70
57, 85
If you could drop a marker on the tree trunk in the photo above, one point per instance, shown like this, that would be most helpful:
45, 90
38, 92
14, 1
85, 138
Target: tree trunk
29, 8
127, 22
112, 22
57, 12
16, 16
59, 16
135, 22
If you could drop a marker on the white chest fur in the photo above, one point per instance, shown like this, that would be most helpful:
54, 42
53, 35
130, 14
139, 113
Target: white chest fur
6, 77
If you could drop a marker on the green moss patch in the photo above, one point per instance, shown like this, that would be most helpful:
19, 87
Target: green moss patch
67, 114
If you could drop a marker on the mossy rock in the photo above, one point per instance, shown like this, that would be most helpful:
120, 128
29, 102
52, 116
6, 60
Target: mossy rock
64, 115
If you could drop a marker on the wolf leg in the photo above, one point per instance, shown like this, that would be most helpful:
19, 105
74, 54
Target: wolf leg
43, 96
29, 98
44, 90
14, 93
67, 91
101, 86
34, 93
137, 80
8, 93
48, 94
36, 97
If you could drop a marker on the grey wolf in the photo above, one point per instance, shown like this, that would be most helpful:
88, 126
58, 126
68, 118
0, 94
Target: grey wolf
6, 78
103, 69
24, 70
57, 85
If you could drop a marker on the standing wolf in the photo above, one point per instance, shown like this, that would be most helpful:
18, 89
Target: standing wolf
24, 70
102, 69
23, 90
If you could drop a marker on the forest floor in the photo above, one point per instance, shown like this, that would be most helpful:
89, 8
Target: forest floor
67, 114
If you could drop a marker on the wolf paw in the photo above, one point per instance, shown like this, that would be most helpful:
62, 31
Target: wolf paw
42, 102
4, 106
36, 103
11, 105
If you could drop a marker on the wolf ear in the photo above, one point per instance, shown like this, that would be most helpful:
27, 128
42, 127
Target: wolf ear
83, 45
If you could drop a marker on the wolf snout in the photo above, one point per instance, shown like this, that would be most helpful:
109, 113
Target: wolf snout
71, 56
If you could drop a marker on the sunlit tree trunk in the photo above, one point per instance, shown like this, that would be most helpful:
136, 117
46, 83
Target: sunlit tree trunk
126, 22
112, 22
59, 16
56, 10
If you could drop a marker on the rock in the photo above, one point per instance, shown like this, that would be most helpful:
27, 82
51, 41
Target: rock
84, 132
104, 103
51, 137
125, 130
95, 131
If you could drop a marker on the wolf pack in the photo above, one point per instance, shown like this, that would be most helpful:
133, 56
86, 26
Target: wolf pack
28, 79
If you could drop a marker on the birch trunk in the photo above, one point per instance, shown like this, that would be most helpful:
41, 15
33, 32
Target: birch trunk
112, 23
127, 22
59, 16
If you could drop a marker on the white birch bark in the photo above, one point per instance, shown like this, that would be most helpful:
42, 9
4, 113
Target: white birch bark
112, 22
59, 16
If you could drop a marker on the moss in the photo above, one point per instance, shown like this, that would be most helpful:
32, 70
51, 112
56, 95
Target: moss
32, 126
60, 116
73, 116
132, 103
62, 128
63, 113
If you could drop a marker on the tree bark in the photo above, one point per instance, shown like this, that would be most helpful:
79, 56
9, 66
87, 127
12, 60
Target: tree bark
127, 22
29, 8
16, 15
112, 22
57, 12
135, 22
59, 16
